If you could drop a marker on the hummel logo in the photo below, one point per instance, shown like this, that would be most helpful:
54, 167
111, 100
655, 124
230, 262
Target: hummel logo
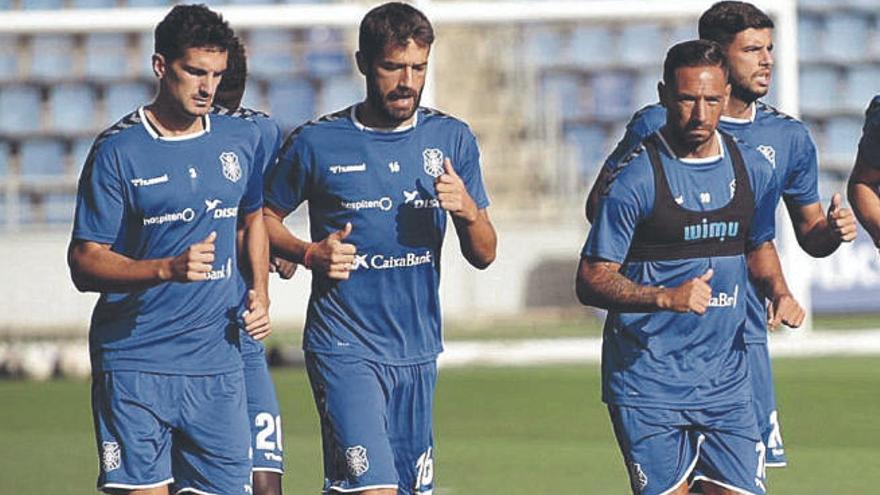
410, 196
360, 261
210, 204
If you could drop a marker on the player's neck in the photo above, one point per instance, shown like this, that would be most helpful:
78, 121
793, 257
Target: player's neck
709, 148
739, 109
369, 116
170, 121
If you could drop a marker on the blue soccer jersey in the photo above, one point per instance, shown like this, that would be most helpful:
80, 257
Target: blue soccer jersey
383, 183
151, 197
668, 359
783, 140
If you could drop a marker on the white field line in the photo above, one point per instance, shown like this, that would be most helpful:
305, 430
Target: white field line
589, 350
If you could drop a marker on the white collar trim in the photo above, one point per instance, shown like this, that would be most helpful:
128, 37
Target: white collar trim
695, 161
146, 123
401, 128
748, 120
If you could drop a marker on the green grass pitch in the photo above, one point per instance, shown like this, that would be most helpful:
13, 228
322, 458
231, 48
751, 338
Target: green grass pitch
498, 431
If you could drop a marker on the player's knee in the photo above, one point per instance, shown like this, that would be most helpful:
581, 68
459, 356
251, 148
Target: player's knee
267, 483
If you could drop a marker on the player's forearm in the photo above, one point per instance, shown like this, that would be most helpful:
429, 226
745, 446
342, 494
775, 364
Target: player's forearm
601, 285
95, 268
866, 205
282, 242
818, 239
765, 271
257, 242
477, 240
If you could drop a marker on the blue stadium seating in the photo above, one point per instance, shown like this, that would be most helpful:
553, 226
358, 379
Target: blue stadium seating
79, 152
818, 88
591, 46
5, 155
846, 36
52, 56
8, 57
42, 4
645, 88
326, 53
340, 92
842, 138
543, 46
680, 32
862, 83
291, 102
41, 157
144, 63
21, 109
567, 94
147, 3
589, 143
120, 99
106, 55
5, 4
270, 53
72, 108
642, 43
59, 208
612, 95
809, 37
93, 4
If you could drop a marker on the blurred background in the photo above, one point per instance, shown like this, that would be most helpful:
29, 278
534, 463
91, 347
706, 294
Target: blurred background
547, 87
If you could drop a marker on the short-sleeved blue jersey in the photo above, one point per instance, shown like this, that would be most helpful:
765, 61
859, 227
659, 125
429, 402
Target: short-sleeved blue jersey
668, 359
150, 197
383, 183
783, 140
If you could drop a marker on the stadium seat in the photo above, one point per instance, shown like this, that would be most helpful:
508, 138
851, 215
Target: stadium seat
42, 4
144, 62
842, 138
566, 95
72, 108
326, 53
644, 91
147, 3
591, 46
340, 92
41, 157
818, 87
543, 46
120, 99
846, 36
22, 109
588, 142
291, 101
861, 84
612, 95
8, 57
79, 152
5, 156
52, 56
106, 55
642, 43
93, 4
809, 37
5, 4
58, 208
678, 33
270, 53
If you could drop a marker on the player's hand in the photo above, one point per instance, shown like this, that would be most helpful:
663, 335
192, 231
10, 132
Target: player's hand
194, 264
332, 256
453, 196
284, 268
841, 220
693, 295
785, 309
256, 318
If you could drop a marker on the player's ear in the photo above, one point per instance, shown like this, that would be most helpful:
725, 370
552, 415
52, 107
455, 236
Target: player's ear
661, 92
159, 66
362, 63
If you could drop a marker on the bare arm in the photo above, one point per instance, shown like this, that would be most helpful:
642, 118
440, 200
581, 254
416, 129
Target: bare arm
477, 238
863, 195
599, 283
95, 267
256, 242
820, 233
765, 271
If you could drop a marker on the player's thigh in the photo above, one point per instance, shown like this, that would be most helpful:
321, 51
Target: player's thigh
764, 401
732, 455
212, 441
264, 414
410, 424
133, 439
266, 483
658, 447
351, 396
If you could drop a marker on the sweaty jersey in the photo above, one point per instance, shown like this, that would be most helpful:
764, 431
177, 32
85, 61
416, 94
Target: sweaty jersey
664, 358
783, 140
152, 197
382, 182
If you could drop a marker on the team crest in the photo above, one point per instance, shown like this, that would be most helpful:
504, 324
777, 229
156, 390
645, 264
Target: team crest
110, 456
769, 153
433, 159
231, 167
637, 478
356, 457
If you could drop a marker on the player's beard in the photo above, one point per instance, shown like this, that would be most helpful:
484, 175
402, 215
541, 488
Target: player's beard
743, 93
380, 103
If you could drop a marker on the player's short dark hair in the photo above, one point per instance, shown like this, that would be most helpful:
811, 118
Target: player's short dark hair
236, 68
396, 23
191, 26
724, 20
694, 53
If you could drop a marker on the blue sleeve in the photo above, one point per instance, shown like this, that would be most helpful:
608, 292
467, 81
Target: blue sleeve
468, 169
100, 198
802, 178
763, 226
253, 195
286, 181
627, 203
642, 124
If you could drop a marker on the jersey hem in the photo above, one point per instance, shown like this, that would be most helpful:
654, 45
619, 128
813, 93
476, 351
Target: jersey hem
675, 406
164, 371
376, 359
93, 237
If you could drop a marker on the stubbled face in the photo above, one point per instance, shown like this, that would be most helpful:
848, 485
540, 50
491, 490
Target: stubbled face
395, 81
191, 80
751, 63
694, 103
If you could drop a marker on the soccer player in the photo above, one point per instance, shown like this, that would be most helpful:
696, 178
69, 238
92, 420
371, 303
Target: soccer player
865, 177
667, 257
380, 178
262, 403
155, 234
746, 35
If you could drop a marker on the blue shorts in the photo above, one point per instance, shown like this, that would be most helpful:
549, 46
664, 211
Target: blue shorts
375, 423
154, 430
664, 448
764, 400
264, 415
